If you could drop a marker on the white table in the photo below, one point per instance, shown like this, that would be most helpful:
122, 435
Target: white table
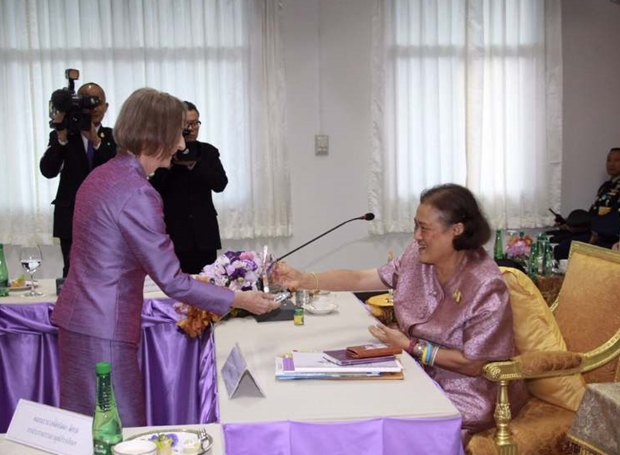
48, 288
11, 448
413, 400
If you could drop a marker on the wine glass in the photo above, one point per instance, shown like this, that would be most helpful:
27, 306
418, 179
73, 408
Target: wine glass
30, 259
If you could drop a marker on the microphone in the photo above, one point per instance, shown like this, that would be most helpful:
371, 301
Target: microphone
367, 217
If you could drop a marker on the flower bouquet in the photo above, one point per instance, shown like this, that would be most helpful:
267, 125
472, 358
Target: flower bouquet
164, 442
236, 270
519, 248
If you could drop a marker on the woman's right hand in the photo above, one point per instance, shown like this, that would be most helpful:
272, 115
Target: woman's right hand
286, 276
256, 302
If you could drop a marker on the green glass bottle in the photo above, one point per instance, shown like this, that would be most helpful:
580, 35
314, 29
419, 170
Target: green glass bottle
547, 258
498, 250
4, 274
532, 264
107, 428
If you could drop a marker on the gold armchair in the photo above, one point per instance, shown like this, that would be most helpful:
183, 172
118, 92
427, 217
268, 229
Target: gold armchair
557, 355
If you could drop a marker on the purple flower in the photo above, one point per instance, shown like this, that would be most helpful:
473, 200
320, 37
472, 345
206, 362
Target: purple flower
237, 270
162, 438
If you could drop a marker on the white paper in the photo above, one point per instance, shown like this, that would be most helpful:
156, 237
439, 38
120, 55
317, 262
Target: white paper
51, 429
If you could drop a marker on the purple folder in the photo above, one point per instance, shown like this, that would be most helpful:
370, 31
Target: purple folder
340, 357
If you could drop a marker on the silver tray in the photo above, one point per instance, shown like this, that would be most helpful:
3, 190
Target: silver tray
182, 433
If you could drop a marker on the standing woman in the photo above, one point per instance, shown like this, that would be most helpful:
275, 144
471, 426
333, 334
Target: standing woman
119, 236
450, 301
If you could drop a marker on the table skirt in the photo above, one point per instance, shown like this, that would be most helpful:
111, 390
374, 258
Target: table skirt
179, 372
370, 437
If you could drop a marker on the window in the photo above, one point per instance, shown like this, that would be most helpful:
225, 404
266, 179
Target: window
466, 92
223, 55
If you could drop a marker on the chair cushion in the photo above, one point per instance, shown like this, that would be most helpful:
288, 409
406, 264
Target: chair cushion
539, 429
590, 293
535, 329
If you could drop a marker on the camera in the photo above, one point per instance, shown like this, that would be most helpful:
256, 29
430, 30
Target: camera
76, 107
190, 153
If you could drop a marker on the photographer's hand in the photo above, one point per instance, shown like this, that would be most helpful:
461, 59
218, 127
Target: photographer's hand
62, 134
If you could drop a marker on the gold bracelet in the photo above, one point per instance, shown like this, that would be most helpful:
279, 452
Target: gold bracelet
316, 279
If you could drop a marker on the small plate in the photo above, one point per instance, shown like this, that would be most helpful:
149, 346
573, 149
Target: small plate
321, 305
182, 435
26, 287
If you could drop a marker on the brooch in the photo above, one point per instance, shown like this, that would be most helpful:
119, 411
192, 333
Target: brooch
457, 295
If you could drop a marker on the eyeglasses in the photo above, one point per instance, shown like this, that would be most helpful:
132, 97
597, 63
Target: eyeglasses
195, 124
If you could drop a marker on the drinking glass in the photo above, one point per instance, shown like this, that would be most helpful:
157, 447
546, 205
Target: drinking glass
30, 259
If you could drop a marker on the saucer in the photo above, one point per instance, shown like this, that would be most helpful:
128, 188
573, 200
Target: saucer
324, 309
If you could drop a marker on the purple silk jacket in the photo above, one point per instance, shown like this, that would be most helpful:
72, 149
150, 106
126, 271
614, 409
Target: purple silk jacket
470, 313
119, 236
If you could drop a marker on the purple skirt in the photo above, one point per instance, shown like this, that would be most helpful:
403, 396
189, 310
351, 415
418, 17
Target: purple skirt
78, 355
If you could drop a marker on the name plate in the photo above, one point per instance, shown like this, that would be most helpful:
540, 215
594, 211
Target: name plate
237, 376
51, 429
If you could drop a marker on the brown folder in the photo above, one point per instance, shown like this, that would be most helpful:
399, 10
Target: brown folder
372, 350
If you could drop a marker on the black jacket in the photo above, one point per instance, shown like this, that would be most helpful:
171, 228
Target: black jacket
71, 163
191, 218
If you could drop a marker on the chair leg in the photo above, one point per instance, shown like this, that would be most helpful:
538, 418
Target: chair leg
503, 436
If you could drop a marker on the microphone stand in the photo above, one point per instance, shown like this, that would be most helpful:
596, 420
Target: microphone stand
286, 312
363, 217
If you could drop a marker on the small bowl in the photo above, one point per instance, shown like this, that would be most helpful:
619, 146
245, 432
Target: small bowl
382, 307
323, 309
321, 304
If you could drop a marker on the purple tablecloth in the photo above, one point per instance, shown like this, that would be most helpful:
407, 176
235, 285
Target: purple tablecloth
386, 436
179, 372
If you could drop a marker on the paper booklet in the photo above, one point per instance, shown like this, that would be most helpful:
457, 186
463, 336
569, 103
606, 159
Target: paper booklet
284, 371
315, 362
340, 357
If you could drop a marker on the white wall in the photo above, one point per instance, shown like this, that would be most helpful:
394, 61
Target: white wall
591, 53
327, 63
328, 91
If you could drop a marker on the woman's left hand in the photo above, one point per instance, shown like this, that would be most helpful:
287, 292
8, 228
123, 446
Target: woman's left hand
389, 336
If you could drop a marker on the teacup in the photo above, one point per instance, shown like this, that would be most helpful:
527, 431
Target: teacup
322, 303
135, 447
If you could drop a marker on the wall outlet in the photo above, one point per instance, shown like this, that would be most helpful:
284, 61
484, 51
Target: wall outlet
321, 144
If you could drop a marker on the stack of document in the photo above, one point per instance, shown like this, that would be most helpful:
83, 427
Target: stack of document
315, 365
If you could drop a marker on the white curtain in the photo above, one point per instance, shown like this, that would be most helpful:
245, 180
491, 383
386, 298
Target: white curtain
223, 55
467, 91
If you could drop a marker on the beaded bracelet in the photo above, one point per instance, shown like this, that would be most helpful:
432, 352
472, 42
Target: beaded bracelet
418, 349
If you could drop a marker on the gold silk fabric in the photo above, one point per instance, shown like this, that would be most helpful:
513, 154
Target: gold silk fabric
596, 424
539, 429
588, 313
535, 329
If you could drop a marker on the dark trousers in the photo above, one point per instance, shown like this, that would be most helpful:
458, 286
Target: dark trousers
65, 247
193, 261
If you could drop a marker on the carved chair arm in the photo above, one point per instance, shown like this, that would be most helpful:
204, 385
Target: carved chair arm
542, 364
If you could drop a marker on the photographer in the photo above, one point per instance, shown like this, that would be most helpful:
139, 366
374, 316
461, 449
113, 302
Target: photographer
73, 154
186, 189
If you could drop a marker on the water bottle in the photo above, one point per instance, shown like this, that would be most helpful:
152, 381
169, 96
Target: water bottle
4, 274
532, 264
107, 428
498, 251
547, 258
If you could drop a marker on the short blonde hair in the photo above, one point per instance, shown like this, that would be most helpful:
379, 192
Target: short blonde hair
149, 123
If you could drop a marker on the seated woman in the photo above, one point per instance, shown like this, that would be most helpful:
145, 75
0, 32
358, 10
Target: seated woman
451, 303
601, 224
